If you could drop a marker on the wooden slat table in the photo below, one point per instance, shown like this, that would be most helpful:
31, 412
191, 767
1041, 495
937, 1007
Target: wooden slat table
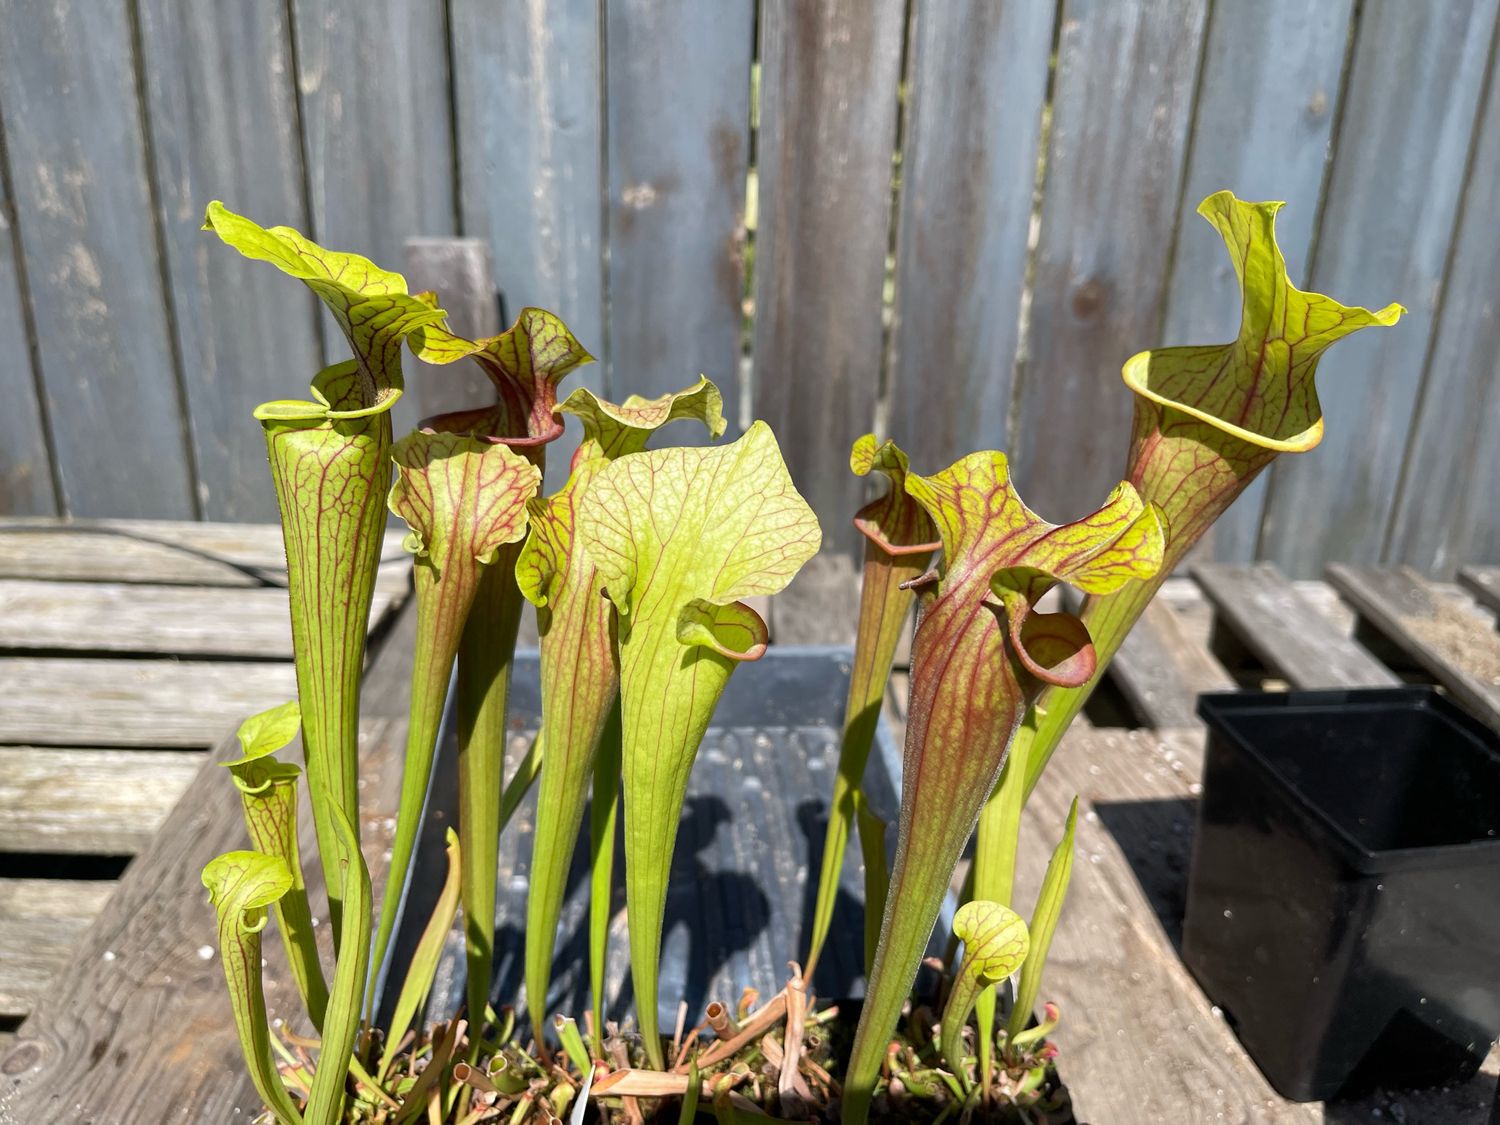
1439, 631
1484, 583
1141, 1043
127, 649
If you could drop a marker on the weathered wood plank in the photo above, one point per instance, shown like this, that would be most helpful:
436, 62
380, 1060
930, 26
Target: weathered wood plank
1484, 583
678, 155
40, 922
150, 703
92, 802
25, 467
199, 621
1140, 1041
372, 76
159, 552
1441, 519
1456, 644
75, 142
527, 83
224, 126
973, 121
1161, 670
1397, 177
138, 974
1121, 111
1268, 98
829, 75
1285, 633
461, 273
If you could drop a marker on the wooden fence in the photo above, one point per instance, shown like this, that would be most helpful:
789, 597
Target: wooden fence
951, 220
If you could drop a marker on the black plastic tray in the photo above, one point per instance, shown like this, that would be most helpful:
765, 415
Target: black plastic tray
745, 867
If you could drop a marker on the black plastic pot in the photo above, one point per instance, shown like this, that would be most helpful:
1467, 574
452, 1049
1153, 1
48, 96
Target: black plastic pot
1344, 898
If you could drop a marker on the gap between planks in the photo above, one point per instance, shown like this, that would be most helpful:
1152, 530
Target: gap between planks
87, 802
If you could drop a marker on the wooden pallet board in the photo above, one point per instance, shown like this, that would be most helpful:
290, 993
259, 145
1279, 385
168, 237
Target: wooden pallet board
158, 552
1454, 643
147, 703
40, 921
127, 648
1283, 631
1484, 583
1161, 671
88, 802
1141, 1043
120, 617
139, 973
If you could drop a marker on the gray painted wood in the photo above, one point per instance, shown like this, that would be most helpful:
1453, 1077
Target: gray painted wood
973, 121
376, 132
212, 622
1393, 195
1267, 104
1284, 632
1121, 113
829, 74
460, 271
223, 103
89, 802
40, 922
26, 486
527, 78
137, 972
1444, 516
678, 158
76, 146
1443, 635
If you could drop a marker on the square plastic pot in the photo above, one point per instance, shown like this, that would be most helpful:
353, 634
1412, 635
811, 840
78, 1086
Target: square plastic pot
1344, 897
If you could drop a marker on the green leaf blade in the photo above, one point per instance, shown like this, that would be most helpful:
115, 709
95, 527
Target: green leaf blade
1044, 921
425, 960
325, 1103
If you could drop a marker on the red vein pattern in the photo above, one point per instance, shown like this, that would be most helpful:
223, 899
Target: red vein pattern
331, 476
980, 657
899, 543
678, 536
371, 305
1209, 419
525, 363
465, 500
580, 676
